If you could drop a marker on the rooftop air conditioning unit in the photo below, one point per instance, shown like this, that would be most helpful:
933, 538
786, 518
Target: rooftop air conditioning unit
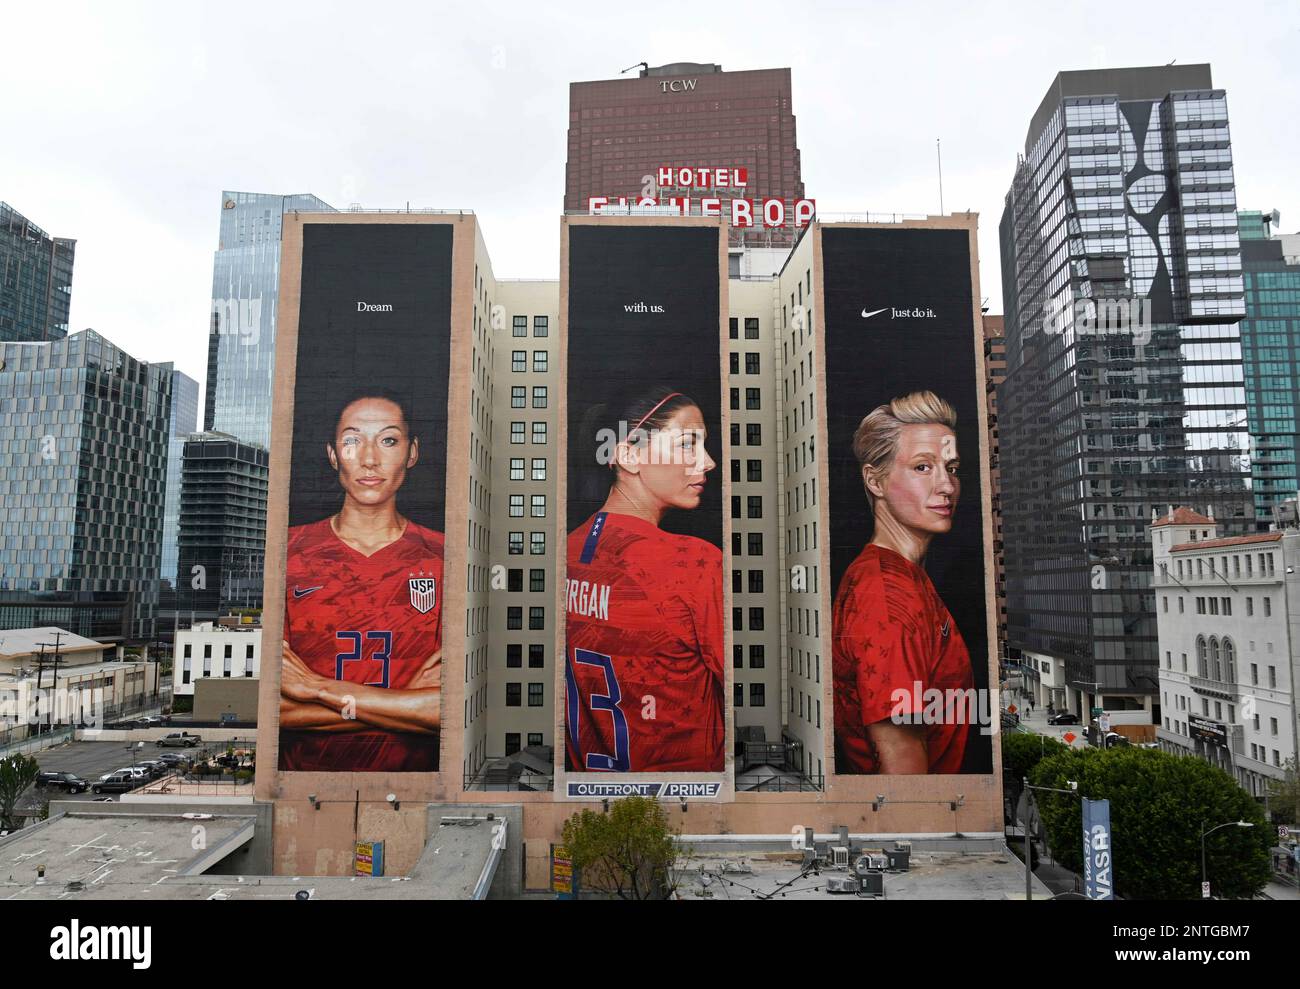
843, 884
873, 884
879, 861
839, 857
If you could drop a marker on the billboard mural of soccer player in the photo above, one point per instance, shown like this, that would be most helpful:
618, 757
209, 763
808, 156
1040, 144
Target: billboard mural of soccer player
906, 509
362, 651
645, 680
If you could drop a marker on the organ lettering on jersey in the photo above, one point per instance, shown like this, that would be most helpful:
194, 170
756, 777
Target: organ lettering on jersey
588, 598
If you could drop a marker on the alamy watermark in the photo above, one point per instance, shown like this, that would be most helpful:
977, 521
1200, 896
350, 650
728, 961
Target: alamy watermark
922, 705
1100, 317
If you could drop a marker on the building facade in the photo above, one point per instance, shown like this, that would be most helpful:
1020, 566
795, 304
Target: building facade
504, 599
1269, 335
1124, 391
207, 650
185, 416
83, 440
1228, 653
222, 526
995, 365
35, 280
687, 114
241, 337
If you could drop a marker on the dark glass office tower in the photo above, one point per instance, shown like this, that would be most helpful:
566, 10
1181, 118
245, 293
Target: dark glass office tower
1270, 350
185, 420
222, 526
1122, 284
35, 279
245, 289
83, 470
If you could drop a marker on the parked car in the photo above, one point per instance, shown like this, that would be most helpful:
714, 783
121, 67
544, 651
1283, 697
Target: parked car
1063, 718
172, 760
154, 767
179, 738
63, 781
152, 721
117, 782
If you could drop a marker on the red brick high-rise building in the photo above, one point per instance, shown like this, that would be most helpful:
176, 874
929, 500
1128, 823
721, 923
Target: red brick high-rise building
688, 114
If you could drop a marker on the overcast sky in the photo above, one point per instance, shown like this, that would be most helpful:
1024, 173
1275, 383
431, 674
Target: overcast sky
125, 121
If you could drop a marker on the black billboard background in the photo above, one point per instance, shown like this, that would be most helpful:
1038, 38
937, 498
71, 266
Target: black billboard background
869, 362
614, 354
406, 351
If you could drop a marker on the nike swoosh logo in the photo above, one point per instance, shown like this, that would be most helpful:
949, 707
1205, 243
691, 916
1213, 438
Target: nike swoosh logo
874, 312
302, 594
943, 630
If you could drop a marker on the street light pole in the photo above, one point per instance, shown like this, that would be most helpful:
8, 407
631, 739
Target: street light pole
1205, 895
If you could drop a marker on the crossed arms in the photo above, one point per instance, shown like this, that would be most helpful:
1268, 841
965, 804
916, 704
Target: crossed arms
312, 702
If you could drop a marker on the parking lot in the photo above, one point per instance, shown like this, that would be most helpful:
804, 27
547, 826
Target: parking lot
91, 760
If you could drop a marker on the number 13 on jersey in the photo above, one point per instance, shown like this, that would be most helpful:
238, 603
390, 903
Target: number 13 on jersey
609, 701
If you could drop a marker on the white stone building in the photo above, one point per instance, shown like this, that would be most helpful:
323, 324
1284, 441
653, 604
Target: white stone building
1228, 613
211, 650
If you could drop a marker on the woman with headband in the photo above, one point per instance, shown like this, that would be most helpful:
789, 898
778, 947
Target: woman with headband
644, 638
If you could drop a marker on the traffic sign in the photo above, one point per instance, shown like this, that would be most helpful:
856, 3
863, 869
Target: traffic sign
1283, 832
1205, 891
1011, 708
1069, 737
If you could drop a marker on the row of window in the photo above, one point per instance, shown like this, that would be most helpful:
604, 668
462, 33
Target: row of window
519, 397
207, 670
753, 399
536, 619
536, 543
753, 506
541, 326
228, 650
519, 361
1218, 605
537, 508
753, 470
752, 363
751, 328
755, 581
1183, 705
536, 695
755, 619
517, 432
515, 655
757, 657
757, 695
512, 740
517, 469
1204, 563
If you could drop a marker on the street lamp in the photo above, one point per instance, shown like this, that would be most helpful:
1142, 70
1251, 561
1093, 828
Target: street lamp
1205, 892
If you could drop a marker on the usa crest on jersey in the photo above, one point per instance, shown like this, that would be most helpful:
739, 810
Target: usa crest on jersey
424, 594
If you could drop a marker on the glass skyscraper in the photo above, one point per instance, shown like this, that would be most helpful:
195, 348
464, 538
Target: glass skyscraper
1124, 395
83, 472
185, 420
35, 279
245, 289
1270, 350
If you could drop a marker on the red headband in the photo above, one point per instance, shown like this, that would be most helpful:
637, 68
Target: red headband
661, 401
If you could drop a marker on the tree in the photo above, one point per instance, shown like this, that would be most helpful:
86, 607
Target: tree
1284, 794
1021, 752
627, 852
1158, 804
17, 773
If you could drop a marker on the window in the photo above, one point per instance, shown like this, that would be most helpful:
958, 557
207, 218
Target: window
754, 506
751, 327
1268, 607
756, 695
516, 432
514, 692
539, 397
516, 468
754, 470
248, 651
737, 547
753, 398
734, 364
536, 656
514, 580
735, 398
738, 657
753, 434
735, 471
1250, 607
518, 360
207, 650
537, 619
537, 543
756, 582
512, 742
738, 695
514, 618
735, 434
757, 659
536, 581
756, 619
539, 433
518, 396
1272, 722
534, 738
516, 506
738, 619
519, 327
537, 508
514, 655
755, 541
535, 695
539, 468
735, 506
516, 544
185, 672
733, 328
188, 648
1272, 677
539, 361
541, 326
751, 364
736, 587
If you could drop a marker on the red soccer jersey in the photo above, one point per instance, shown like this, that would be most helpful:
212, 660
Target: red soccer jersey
645, 688
365, 619
893, 640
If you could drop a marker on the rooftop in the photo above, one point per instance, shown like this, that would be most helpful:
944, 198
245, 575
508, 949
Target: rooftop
1257, 537
1183, 516
16, 643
